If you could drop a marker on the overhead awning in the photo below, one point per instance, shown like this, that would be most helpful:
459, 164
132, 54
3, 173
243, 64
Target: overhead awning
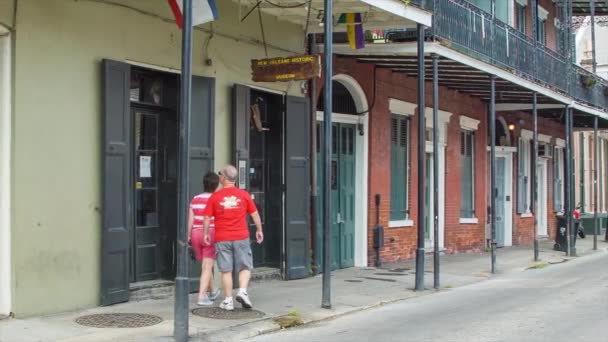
377, 14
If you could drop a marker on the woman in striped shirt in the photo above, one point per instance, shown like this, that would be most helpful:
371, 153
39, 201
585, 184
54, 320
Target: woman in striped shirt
202, 251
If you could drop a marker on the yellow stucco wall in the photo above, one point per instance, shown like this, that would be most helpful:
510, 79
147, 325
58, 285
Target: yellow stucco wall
57, 126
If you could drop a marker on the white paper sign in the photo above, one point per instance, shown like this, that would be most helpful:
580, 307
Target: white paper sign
145, 169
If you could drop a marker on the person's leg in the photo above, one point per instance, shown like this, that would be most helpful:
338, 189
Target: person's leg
205, 277
227, 284
244, 276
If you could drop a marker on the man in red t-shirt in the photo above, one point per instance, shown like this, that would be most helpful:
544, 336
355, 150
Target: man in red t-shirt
229, 208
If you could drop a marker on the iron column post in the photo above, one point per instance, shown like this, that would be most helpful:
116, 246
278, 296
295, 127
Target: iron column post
568, 180
534, 175
436, 170
572, 197
327, 143
421, 163
596, 157
593, 55
314, 192
182, 281
492, 124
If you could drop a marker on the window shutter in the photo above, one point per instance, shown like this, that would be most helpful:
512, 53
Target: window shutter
557, 194
521, 207
398, 168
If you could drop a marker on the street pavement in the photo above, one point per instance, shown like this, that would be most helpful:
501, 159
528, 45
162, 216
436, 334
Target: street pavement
565, 302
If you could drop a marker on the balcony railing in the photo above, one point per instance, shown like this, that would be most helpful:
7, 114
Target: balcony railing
472, 31
588, 87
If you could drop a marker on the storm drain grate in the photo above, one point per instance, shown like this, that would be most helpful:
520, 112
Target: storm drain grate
119, 320
237, 313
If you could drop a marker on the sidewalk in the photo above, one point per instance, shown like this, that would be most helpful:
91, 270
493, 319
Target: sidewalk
353, 290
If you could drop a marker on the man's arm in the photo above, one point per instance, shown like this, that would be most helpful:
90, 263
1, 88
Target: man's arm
259, 235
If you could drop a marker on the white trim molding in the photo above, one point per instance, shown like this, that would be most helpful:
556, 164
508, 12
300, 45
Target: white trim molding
397, 8
542, 13
560, 142
5, 173
544, 138
522, 2
526, 134
469, 123
401, 107
469, 220
400, 224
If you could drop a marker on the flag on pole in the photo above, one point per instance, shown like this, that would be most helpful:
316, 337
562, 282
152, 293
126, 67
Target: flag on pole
203, 11
354, 29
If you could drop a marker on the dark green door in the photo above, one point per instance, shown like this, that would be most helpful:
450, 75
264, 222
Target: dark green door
500, 201
342, 197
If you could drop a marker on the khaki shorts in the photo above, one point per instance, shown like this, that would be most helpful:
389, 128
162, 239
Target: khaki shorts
232, 255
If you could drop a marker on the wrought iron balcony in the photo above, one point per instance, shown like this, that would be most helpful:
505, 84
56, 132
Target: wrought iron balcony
472, 31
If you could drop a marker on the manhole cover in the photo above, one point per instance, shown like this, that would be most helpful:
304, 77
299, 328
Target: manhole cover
353, 281
237, 313
119, 320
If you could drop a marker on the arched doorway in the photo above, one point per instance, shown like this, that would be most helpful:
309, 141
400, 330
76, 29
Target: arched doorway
349, 174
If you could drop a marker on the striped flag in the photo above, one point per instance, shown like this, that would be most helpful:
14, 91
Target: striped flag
203, 11
354, 29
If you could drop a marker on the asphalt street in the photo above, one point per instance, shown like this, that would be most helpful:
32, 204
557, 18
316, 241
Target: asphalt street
563, 302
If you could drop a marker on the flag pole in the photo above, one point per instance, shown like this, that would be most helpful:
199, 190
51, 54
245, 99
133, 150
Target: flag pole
182, 281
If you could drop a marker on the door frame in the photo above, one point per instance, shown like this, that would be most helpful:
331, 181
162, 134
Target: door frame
5, 169
361, 184
543, 220
507, 153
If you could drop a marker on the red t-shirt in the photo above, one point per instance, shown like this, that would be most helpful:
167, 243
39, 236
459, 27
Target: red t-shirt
230, 207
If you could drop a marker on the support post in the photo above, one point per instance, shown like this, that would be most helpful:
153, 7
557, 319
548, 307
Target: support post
436, 170
568, 180
421, 163
327, 143
314, 194
182, 281
596, 156
572, 197
492, 124
593, 55
534, 193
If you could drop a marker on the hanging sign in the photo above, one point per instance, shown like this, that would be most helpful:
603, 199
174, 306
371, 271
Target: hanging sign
283, 69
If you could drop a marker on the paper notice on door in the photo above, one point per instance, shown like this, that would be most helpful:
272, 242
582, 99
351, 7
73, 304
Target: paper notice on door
145, 167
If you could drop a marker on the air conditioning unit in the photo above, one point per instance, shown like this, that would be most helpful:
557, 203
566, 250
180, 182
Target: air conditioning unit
545, 151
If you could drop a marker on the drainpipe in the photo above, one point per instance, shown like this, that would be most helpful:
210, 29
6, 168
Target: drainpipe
327, 143
595, 184
593, 56
435, 58
421, 162
182, 281
534, 176
493, 169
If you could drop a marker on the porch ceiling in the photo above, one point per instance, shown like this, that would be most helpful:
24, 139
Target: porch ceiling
377, 14
459, 77
583, 7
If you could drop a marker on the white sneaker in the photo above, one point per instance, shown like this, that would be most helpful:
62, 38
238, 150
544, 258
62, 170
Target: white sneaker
227, 305
243, 298
206, 301
213, 295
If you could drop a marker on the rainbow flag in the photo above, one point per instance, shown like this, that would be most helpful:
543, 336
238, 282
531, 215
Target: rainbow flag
354, 29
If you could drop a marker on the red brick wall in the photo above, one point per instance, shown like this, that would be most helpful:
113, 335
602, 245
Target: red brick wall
401, 241
523, 227
551, 29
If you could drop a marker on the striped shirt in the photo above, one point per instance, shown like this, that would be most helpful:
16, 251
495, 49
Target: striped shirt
199, 202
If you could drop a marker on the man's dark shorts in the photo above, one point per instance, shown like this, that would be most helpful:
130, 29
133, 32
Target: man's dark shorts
234, 254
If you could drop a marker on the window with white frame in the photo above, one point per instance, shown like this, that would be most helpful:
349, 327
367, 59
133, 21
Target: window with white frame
541, 25
468, 126
558, 177
524, 161
400, 170
520, 15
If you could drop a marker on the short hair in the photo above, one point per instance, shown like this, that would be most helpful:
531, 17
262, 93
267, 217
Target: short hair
210, 182
230, 173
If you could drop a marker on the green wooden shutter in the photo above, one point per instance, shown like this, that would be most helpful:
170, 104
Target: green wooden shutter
521, 206
399, 144
467, 140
